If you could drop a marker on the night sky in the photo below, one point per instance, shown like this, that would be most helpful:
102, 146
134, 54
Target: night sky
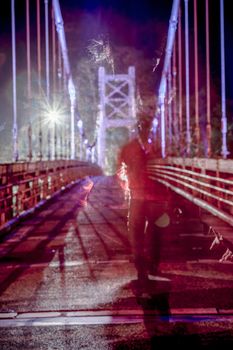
139, 25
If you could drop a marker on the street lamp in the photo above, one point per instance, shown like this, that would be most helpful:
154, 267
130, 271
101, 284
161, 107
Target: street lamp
54, 118
52, 121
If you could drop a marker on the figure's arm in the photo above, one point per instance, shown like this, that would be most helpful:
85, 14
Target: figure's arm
121, 173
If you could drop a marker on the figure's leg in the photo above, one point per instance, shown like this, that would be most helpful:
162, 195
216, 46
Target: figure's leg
153, 237
136, 226
154, 249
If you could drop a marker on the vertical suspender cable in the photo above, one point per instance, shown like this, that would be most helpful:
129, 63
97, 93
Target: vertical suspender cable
167, 59
15, 125
47, 68
174, 98
169, 108
208, 126
38, 44
223, 83
54, 80
29, 87
101, 135
59, 87
47, 48
71, 87
28, 50
180, 80
40, 155
188, 136
54, 51
197, 127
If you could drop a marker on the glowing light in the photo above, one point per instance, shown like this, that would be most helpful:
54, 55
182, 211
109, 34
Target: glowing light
149, 140
155, 123
80, 124
53, 116
52, 113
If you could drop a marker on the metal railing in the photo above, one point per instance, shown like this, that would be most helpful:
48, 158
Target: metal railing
23, 186
207, 183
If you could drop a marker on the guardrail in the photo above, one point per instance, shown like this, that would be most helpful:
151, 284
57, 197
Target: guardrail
208, 183
23, 186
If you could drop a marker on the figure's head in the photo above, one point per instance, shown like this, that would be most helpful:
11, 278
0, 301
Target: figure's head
144, 123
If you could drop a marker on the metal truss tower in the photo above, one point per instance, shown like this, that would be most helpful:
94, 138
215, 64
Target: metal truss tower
117, 106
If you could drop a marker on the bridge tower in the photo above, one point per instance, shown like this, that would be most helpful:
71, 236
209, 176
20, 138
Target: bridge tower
117, 106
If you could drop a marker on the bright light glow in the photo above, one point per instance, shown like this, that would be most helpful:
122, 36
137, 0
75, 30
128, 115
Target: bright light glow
149, 140
53, 116
53, 113
155, 123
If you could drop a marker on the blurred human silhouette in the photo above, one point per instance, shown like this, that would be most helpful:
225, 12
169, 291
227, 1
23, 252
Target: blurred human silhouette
149, 201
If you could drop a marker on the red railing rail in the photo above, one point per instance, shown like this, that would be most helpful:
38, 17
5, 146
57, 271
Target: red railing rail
23, 186
207, 183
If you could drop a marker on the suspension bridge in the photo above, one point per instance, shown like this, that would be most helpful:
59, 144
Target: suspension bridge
67, 279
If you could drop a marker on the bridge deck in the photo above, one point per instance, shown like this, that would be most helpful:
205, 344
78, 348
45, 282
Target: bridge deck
74, 256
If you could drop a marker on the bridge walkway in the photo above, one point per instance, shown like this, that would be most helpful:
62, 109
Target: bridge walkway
69, 264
